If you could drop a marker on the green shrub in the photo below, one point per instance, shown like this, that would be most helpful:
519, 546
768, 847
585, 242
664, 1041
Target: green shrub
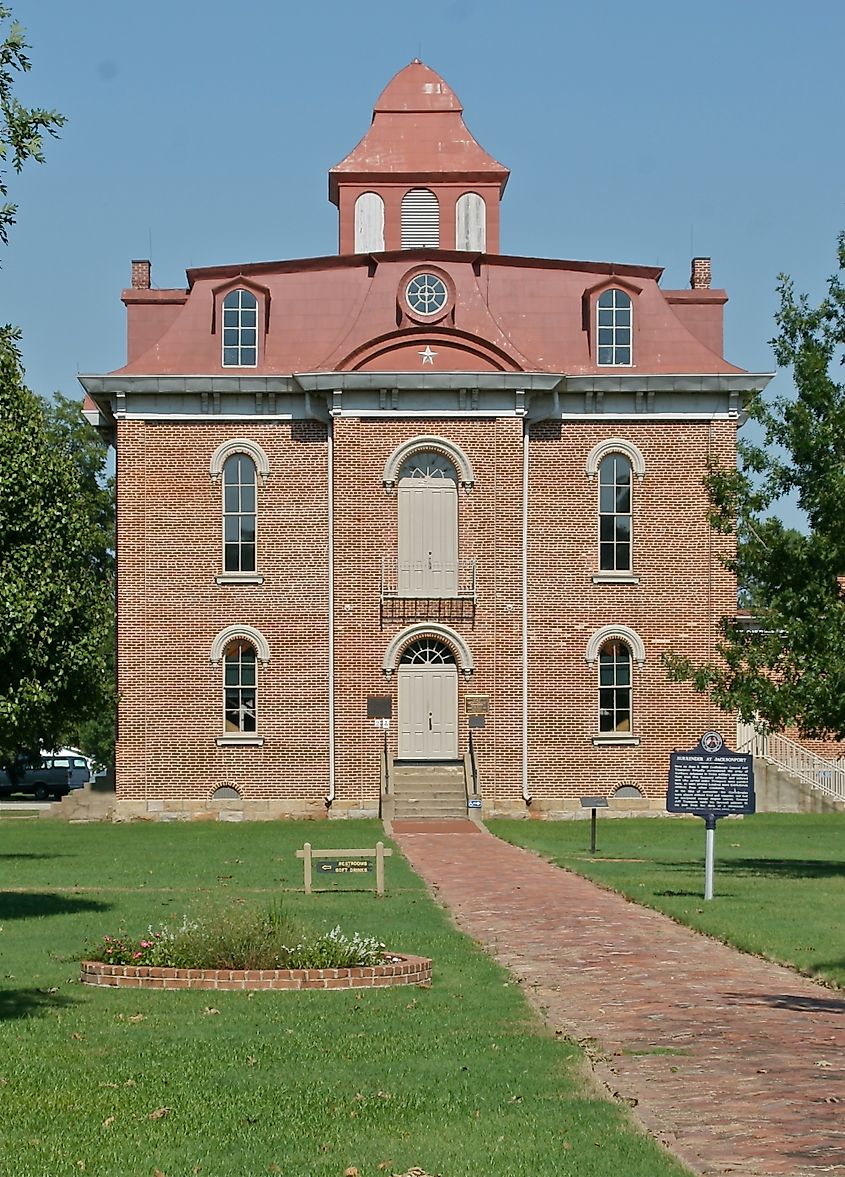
240, 938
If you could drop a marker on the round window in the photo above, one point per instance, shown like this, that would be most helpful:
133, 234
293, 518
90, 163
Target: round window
426, 294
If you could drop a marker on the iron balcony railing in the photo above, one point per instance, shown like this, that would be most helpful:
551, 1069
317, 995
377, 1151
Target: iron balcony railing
828, 776
428, 580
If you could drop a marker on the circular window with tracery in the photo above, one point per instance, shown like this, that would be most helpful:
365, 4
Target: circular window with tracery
426, 294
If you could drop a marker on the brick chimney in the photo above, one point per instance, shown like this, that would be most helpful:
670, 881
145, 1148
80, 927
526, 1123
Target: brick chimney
700, 274
141, 275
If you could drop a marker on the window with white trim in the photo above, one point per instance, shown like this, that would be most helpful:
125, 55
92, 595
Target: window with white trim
420, 219
614, 338
240, 688
240, 329
239, 514
615, 476
615, 688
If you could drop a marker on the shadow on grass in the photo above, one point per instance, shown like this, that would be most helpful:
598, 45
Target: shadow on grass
23, 857
27, 1003
798, 1002
17, 905
785, 868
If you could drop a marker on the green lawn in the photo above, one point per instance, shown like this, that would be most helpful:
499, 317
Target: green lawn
779, 884
459, 1079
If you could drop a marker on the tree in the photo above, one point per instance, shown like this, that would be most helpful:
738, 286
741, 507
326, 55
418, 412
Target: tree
787, 665
22, 129
55, 595
55, 559
71, 434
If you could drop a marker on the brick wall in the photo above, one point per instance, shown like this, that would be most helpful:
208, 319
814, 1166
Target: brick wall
171, 608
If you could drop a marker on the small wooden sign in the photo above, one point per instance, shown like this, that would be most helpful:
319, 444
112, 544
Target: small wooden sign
344, 862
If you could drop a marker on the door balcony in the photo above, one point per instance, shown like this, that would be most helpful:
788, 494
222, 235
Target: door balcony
427, 580
427, 591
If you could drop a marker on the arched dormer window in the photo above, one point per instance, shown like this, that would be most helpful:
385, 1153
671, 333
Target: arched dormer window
614, 329
240, 329
471, 223
420, 219
369, 223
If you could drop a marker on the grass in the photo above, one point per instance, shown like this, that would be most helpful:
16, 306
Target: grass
779, 881
459, 1079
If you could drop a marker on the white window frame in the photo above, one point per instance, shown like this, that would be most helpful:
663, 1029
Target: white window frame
240, 312
621, 335
238, 445
636, 649
245, 635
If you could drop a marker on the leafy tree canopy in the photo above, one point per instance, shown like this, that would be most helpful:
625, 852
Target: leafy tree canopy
786, 663
22, 128
55, 585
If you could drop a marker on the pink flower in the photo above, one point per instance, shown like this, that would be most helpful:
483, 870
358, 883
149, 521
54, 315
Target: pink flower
135, 955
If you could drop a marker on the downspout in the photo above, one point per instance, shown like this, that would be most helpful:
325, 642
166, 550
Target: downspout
526, 796
330, 507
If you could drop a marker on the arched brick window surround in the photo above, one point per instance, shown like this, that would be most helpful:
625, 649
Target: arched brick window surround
615, 445
620, 633
453, 640
243, 633
441, 446
239, 445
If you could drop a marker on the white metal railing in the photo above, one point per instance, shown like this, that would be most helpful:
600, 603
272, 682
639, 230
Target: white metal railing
428, 579
828, 776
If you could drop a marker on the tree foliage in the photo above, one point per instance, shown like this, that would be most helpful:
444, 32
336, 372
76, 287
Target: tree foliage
55, 585
787, 664
22, 129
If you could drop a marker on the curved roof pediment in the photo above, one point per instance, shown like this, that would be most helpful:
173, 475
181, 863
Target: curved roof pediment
428, 351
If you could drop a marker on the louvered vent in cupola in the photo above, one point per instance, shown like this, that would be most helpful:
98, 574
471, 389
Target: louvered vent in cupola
420, 220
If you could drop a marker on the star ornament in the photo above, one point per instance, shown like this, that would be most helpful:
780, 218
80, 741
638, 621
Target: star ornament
428, 356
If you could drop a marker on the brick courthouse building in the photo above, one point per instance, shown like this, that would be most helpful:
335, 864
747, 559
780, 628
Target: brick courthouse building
376, 507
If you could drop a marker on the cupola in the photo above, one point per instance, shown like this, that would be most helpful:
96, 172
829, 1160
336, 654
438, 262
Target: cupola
418, 179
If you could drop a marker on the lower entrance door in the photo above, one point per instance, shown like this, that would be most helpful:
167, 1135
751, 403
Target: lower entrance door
428, 702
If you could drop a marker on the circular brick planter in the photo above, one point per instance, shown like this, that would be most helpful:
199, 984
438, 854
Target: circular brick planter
401, 970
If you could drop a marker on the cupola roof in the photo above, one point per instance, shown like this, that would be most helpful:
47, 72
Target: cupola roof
417, 133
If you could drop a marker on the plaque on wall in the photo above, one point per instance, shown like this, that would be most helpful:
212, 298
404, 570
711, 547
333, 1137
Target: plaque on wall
477, 704
379, 707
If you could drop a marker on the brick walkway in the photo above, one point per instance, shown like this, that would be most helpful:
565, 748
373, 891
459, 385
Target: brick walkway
736, 1065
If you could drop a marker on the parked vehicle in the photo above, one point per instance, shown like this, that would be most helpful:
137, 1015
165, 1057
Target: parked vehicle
50, 776
81, 766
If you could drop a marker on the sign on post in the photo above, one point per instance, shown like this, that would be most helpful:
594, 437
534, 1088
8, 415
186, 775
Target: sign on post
344, 862
711, 781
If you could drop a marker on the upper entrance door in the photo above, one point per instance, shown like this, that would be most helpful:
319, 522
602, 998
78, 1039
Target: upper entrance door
428, 702
428, 527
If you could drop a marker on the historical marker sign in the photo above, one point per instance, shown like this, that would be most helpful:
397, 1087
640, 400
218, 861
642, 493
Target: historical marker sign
711, 782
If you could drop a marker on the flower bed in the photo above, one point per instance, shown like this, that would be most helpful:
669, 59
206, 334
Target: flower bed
396, 969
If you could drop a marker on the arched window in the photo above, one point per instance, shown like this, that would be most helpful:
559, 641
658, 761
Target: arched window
615, 513
240, 688
614, 688
614, 339
471, 222
420, 220
240, 329
369, 223
239, 514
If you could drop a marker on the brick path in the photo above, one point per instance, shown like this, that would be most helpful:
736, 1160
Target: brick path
752, 1078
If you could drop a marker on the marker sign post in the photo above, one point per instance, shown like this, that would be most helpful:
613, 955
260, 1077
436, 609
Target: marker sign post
710, 781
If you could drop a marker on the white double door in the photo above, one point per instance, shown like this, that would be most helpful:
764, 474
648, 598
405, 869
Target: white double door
428, 713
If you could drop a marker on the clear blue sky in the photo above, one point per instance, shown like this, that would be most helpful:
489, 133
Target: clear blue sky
200, 133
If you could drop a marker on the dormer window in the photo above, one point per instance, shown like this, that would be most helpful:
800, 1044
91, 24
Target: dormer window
614, 337
240, 329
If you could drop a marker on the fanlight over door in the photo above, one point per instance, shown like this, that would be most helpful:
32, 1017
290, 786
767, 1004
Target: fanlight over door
428, 527
428, 702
